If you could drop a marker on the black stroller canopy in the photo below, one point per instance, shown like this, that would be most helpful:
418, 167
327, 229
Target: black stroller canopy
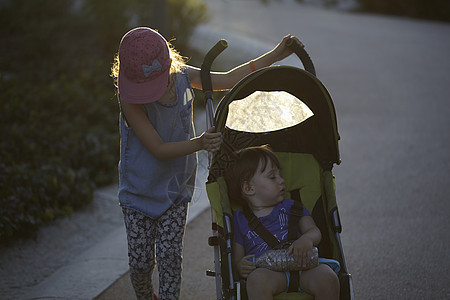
317, 131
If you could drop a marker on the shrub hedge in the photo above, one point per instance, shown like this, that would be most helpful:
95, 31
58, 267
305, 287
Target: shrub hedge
58, 113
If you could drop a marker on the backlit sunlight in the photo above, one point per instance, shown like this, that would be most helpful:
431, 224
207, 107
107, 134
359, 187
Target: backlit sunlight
267, 111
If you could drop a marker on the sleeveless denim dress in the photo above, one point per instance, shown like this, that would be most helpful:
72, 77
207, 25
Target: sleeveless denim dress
146, 184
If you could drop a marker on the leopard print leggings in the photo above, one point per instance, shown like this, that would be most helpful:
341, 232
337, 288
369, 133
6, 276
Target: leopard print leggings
165, 235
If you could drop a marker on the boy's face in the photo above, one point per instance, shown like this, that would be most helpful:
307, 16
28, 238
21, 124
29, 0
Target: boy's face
267, 186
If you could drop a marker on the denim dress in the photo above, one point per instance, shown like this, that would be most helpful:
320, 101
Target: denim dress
146, 184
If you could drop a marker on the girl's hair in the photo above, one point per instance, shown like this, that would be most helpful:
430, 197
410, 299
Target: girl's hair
176, 65
244, 168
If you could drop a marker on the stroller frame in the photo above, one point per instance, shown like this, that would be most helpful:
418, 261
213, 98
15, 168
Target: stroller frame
318, 146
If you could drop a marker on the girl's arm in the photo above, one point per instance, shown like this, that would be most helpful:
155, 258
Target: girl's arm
311, 236
147, 134
309, 230
244, 267
226, 80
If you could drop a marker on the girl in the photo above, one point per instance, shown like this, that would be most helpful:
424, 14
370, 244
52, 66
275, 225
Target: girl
254, 180
158, 163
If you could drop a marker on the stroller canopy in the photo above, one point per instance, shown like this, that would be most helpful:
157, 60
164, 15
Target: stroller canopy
283, 106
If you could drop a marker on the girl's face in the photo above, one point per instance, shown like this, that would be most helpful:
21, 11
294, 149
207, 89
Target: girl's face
266, 186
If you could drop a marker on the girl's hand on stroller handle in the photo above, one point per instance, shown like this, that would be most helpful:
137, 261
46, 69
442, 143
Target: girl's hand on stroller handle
211, 140
281, 51
293, 41
298, 48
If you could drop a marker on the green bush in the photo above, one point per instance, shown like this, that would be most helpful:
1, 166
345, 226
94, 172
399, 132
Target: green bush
426, 9
58, 112
59, 141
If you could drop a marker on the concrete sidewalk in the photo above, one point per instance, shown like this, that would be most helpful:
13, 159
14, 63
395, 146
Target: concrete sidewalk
197, 258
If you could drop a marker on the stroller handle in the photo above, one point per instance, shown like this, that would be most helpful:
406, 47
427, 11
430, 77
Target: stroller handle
302, 55
205, 75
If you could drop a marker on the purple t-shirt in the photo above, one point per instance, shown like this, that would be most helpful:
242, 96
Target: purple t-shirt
276, 222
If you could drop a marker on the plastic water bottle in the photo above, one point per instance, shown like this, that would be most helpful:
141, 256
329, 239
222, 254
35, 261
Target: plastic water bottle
280, 261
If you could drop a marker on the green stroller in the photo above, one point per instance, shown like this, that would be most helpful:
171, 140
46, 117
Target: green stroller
291, 110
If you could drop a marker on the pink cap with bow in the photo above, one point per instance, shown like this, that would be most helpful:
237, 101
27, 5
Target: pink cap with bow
144, 66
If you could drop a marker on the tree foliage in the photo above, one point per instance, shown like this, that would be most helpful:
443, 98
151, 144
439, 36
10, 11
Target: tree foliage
425, 9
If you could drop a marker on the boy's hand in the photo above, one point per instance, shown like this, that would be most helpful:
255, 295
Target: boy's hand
211, 140
245, 267
301, 249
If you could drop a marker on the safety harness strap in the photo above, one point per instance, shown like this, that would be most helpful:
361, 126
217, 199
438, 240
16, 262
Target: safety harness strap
255, 225
295, 214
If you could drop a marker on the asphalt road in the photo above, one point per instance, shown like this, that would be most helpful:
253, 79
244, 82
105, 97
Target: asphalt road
389, 78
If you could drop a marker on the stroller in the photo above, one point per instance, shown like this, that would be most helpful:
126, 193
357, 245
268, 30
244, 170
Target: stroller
291, 110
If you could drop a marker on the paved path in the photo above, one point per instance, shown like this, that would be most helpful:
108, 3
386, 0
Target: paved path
198, 257
389, 80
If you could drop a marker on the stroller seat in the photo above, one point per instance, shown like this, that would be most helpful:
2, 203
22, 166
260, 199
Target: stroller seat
301, 172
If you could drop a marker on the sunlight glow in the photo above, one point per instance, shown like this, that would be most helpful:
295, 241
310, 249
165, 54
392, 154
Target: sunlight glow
267, 111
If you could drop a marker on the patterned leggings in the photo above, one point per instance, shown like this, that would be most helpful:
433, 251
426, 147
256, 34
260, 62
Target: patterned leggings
166, 236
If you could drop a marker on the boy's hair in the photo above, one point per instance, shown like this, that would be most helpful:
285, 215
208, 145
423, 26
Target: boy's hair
244, 168
177, 63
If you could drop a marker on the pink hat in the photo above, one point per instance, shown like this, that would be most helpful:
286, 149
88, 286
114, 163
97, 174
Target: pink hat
144, 66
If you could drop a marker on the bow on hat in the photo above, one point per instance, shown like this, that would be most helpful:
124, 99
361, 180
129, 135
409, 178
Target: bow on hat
156, 66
